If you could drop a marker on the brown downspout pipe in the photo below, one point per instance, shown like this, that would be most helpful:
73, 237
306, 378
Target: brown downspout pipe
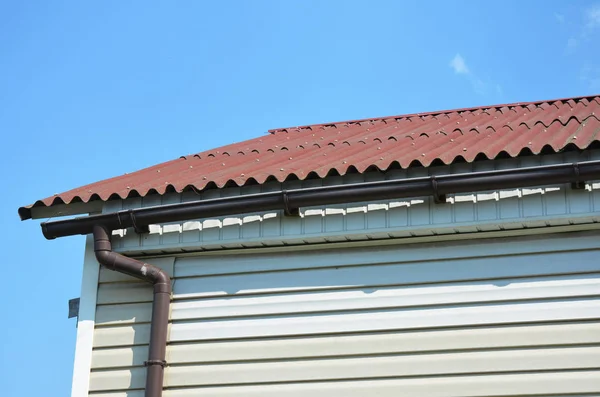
160, 304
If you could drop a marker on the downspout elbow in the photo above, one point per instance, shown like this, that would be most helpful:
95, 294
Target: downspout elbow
160, 279
114, 261
103, 248
106, 258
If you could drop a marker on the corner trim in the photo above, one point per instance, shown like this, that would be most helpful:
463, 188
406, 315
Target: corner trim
85, 323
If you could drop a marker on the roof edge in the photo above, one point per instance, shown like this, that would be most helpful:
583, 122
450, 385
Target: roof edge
39, 210
432, 113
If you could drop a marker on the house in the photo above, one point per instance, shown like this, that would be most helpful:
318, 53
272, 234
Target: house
452, 253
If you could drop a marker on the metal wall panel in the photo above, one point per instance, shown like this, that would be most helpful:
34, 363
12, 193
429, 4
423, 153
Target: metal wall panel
507, 317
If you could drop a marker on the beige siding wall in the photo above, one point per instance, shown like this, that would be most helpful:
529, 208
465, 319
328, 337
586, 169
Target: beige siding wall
502, 317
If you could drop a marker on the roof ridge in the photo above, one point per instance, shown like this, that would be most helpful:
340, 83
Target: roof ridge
437, 112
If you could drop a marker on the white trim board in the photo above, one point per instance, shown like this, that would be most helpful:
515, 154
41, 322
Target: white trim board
85, 322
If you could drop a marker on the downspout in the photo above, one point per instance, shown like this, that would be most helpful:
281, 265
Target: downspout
160, 304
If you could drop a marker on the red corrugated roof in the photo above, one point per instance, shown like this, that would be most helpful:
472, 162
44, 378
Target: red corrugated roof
405, 141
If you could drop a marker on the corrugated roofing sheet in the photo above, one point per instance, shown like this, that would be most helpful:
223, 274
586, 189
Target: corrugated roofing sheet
422, 139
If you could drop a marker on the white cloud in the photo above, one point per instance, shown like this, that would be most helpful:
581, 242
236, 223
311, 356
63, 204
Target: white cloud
592, 17
586, 27
458, 64
481, 87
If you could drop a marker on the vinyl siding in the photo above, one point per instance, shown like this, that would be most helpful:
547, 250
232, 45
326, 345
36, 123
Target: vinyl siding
503, 317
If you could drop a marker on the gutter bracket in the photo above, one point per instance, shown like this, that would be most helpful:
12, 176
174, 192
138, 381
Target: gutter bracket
578, 184
131, 214
287, 210
437, 197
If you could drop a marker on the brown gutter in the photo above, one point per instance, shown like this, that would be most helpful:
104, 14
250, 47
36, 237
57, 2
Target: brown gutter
160, 305
291, 200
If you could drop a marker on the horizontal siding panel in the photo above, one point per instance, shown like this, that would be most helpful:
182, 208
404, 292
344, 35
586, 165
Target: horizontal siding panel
357, 368
572, 287
123, 314
381, 367
136, 334
212, 264
555, 384
465, 386
110, 276
398, 342
118, 379
365, 344
388, 320
393, 274
114, 293
120, 357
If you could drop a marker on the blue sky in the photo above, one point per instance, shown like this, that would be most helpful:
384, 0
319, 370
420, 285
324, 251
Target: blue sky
91, 90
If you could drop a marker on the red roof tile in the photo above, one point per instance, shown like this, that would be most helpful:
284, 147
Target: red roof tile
405, 141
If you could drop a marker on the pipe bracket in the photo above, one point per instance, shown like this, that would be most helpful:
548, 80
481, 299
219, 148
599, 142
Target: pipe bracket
287, 210
578, 184
131, 214
148, 363
138, 229
437, 197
